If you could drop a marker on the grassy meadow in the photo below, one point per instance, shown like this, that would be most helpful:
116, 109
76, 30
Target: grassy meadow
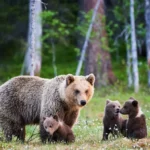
88, 130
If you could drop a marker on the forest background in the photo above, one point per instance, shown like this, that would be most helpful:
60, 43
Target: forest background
61, 27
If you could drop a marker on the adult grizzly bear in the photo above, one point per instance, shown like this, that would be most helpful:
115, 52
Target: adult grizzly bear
26, 100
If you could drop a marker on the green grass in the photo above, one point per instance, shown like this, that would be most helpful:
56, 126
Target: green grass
88, 129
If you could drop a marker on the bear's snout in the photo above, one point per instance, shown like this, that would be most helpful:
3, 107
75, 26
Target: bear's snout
118, 110
82, 102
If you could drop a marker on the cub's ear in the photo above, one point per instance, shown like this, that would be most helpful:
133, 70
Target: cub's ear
69, 79
131, 98
90, 78
135, 103
55, 117
108, 101
44, 118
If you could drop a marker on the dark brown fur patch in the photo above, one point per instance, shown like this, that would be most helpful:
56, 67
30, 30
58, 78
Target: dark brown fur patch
135, 126
112, 120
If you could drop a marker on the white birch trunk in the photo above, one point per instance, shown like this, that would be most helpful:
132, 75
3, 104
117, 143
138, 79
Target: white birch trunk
87, 39
32, 35
134, 48
147, 19
32, 61
54, 57
38, 35
129, 64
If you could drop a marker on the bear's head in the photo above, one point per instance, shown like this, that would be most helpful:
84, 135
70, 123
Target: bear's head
130, 107
51, 124
78, 90
112, 108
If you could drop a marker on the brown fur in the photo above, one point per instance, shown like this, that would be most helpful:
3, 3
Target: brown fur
58, 131
136, 123
26, 100
112, 120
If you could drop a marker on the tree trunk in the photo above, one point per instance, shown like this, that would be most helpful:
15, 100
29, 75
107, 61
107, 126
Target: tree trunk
134, 48
54, 57
98, 59
147, 19
129, 64
88, 33
32, 61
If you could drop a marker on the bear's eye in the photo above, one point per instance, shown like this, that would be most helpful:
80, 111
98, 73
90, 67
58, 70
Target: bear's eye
113, 106
125, 107
50, 126
45, 127
86, 91
77, 91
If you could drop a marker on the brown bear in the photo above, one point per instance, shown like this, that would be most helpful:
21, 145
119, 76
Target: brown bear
112, 120
136, 123
58, 130
26, 100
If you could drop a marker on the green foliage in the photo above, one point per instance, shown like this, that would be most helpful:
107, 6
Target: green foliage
62, 24
55, 28
61, 32
13, 17
64, 54
83, 24
119, 25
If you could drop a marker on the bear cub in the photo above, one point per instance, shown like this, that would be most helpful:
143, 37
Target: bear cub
112, 120
136, 123
57, 130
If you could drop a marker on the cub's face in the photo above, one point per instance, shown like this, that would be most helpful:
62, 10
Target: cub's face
79, 89
129, 107
50, 124
112, 108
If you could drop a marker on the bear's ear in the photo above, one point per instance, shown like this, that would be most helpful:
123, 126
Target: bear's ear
90, 78
55, 117
135, 103
69, 79
108, 101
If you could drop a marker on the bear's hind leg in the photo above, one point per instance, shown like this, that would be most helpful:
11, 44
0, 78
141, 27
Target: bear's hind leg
139, 134
7, 128
8, 132
19, 131
105, 134
70, 138
22, 134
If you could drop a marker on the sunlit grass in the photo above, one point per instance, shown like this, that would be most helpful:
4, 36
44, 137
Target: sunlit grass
89, 128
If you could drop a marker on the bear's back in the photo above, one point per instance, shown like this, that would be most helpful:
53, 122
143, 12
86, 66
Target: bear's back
20, 95
21, 88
